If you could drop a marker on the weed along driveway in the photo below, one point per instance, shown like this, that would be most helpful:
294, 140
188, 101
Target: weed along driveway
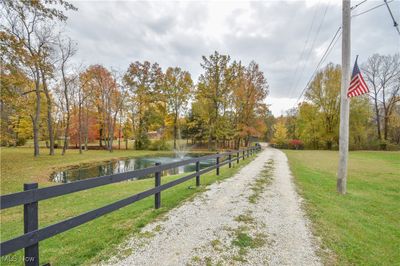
252, 218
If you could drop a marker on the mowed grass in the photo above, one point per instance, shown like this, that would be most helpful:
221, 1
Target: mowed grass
19, 166
97, 240
363, 226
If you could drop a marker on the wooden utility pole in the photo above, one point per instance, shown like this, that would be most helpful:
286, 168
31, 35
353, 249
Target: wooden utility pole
344, 101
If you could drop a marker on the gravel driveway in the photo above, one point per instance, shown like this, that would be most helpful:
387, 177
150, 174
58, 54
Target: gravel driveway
252, 218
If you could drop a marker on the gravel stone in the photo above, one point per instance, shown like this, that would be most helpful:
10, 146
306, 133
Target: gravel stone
202, 231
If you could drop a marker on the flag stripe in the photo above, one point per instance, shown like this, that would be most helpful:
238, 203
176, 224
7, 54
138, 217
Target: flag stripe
357, 84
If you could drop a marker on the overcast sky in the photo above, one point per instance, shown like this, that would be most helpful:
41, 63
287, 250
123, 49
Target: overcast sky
287, 38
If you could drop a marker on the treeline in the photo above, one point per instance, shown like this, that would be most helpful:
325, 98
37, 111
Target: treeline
46, 97
374, 118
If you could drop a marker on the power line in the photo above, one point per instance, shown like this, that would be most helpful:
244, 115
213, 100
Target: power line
338, 35
391, 14
359, 4
302, 52
312, 46
369, 10
324, 56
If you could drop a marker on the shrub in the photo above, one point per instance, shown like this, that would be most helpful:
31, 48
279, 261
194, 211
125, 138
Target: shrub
296, 144
21, 141
159, 145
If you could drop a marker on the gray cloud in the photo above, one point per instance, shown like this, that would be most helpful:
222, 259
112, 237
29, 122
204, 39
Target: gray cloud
272, 33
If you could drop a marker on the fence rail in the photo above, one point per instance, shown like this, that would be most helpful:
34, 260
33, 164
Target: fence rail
31, 195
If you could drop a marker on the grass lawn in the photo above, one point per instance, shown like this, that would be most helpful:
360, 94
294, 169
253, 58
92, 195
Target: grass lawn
96, 240
18, 165
362, 227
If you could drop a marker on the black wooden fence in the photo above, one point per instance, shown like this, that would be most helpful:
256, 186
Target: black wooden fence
31, 195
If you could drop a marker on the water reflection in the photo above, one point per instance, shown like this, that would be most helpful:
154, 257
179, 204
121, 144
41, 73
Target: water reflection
121, 166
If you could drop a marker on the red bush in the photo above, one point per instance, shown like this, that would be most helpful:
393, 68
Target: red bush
296, 144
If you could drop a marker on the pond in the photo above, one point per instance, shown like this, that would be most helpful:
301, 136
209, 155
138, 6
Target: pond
125, 165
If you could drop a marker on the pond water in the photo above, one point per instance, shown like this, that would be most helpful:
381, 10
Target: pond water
125, 165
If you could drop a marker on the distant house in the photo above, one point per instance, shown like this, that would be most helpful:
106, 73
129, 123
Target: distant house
154, 134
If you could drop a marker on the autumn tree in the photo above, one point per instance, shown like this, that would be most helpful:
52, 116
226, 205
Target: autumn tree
394, 132
114, 105
214, 88
177, 88
309, 124
291, 123
360, 121
67, 50
99, 87
250, 89
16, 125
324, 93
280, 132
197, 123
27, 32
143, 81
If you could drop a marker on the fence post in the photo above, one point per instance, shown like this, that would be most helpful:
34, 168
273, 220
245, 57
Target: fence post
157, 196
230, 159
238, 157
217, 163
197, 171
243, 154
31, 223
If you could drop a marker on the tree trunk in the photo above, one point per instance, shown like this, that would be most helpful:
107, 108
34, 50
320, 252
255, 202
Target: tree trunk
16, 133
101, 135
119, 134
378, 118
66, 132
36, 118
385, 127
237, 144
87, 128
49, 117
80, 126
175, 134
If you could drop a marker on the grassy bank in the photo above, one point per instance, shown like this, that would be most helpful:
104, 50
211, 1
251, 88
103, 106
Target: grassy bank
18, 166
362, 227
96, 240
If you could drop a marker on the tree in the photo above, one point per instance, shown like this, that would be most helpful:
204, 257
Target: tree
249, 92
67, 50
324, 93
280, 132
309, 124
269, 122
291, 123
177, 88
214, 89
16, 126
144, 81
114, 103
197, 123
26, 31
383, 78
394, 131
99, 86
360, 117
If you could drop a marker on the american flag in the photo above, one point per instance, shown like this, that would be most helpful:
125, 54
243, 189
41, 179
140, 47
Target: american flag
357, 84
